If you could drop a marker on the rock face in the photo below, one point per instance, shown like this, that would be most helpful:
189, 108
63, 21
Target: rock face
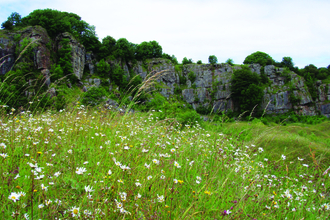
11, 42
202, 86
78, 53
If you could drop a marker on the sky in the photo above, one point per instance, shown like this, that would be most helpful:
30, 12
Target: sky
197, 29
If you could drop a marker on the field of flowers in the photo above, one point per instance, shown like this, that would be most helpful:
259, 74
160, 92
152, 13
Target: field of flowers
97, 164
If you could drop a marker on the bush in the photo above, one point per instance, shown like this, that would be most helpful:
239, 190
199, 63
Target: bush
230, 62
93, 96
259, 57
189, 117
245, 89
213, 59
192, 77
185, 61
199, 62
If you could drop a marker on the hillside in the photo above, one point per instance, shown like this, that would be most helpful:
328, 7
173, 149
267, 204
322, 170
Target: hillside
35, 65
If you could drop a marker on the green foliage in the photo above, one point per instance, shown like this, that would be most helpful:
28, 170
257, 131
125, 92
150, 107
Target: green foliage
294, 99
14, 20
172, 58
203, 110
182, 79
323, 73
103, 69
94, 96
246, 90
192, 77
230, 62
64, 60
56, 72
190, 117
213, 59
117, 76
177, 91
107, 47
125, 50
199, 62
148, 50
185, 61
287, 62
287, 74
259, 57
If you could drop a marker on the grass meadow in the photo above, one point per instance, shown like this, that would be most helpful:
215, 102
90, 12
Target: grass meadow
98, 164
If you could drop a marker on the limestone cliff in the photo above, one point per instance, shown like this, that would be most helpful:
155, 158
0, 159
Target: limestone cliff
203, 85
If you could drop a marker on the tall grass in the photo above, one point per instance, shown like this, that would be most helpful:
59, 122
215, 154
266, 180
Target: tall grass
94, 164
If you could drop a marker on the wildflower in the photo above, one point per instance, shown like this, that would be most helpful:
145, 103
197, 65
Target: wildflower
41, 206
149, 177
180, 181
162, 177
175, 181
4, 155
48, 202
155, 161
21, 193
74, 211
283, 157
300, 159
14, 196
226, 212
70, 151
147, 166
89, 189
80, 170
3, 145
207, 192
109, 172
120, 181
86, 162
160, 198
138, 184
172, 150
26, 216
176, 164
305, 165
138, 196
260, 149
57, 174
43, 187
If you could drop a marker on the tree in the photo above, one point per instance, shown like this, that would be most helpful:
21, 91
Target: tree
103, 68
147, 50
213, 59
287, 61
245, 89
230, 61
14, 19
186, 61
108, 47
259, 57
125, 50
172, 58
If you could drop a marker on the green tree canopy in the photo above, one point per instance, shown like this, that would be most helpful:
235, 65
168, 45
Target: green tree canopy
172, 58
14, 19
147, 50
213, 59
245, 89
108, 47
186, 61
125, 50
259, 57
287, 61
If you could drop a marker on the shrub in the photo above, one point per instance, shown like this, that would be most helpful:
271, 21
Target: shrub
186, 61
213, 59
230, 62
245, 89
199, 62
188, 117
93, 96
259, 57
192, 77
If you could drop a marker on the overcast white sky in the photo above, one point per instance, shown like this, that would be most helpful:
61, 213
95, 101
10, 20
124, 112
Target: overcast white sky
199, 28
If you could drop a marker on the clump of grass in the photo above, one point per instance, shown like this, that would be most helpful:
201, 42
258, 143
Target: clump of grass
98, 164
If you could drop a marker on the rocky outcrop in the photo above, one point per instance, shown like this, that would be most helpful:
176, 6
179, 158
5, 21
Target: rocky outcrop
11, 49
78, 53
